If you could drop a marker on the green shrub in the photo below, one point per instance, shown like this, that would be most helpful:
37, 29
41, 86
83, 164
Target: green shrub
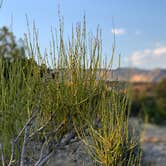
73, 99
150, 110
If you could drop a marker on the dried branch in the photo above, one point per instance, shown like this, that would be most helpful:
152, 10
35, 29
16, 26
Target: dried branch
67, 138
45, 159
2, 155
39, 129
44, 147
34, 114
54, 132
25, 129
24, 145
42, 155
12, 153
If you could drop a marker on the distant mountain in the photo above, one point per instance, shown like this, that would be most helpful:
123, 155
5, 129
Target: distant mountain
136, 75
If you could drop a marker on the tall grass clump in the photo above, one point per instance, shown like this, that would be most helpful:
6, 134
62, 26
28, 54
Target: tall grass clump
64, 95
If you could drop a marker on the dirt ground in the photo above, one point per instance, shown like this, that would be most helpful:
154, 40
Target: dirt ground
153, 142
154, 145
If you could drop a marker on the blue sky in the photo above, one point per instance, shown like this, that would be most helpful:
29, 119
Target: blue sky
139, 25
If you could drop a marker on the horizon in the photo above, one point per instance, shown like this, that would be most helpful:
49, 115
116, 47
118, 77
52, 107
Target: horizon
138, 26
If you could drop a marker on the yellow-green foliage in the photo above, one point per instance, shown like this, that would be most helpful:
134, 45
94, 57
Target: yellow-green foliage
73, 96
110, 142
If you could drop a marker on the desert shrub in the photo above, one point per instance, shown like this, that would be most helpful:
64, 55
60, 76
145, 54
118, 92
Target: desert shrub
35, 105
110, 141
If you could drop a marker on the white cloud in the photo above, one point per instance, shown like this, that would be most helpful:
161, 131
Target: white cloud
160, 51
149, 58
118, 31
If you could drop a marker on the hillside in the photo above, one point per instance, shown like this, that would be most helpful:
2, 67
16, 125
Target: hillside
136, 75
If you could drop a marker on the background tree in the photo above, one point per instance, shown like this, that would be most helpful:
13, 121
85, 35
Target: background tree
9, 48
161, 97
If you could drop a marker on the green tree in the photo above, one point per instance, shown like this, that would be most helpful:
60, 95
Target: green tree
9, 48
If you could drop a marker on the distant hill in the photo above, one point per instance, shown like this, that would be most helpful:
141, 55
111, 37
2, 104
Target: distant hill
136, 75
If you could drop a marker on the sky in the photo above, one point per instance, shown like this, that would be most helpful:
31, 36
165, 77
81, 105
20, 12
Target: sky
139, 25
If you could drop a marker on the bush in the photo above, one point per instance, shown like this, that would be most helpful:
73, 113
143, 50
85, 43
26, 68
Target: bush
35, 106
150, 110
150, 106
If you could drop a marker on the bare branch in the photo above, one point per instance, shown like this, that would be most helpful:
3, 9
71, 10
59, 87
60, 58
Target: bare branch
54, 132
34, 114
68, 137
12, 153
44, 147
44, 160
42, 155
24, 146
40, 129
2, 155
25, 129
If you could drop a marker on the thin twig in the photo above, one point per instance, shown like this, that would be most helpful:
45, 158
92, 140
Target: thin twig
58, 146
24, 146
68, 138
34, 114
25, 129
2, 155
12, 153
54, 132
42, 155
44, 160
39, 129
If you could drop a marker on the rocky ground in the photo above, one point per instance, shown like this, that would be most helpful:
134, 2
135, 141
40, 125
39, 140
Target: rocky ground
71, 155
154, 145
153, 142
